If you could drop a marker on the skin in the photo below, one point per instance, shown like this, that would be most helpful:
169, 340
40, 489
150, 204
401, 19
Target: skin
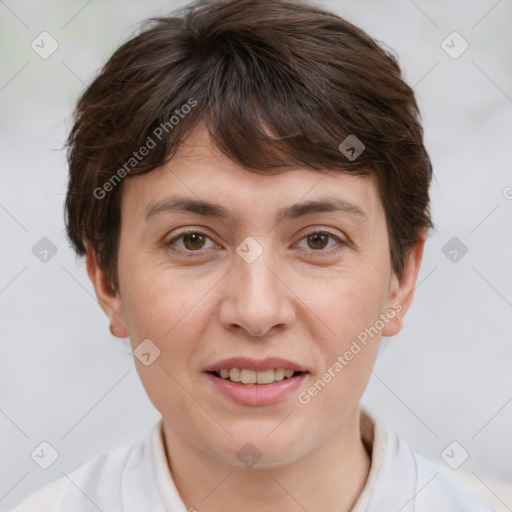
300, 300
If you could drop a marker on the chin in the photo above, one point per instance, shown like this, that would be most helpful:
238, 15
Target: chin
255, 449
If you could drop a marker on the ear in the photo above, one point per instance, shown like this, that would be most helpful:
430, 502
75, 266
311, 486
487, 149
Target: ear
402, 289
108, 298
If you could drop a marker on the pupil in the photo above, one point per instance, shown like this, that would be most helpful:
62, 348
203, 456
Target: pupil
194, 238
317, 236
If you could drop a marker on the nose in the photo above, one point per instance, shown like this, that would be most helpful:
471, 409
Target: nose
256, 296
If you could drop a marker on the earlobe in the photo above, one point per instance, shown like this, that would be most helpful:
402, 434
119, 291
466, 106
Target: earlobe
108, 298
402, 288
116, 329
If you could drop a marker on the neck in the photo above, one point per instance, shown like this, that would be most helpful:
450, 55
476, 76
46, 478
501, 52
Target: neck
329, 479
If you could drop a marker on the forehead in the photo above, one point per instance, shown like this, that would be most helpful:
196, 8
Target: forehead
200, 173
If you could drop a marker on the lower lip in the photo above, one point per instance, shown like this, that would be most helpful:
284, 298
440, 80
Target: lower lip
257, 394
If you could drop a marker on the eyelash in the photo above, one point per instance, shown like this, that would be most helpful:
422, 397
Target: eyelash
200, 251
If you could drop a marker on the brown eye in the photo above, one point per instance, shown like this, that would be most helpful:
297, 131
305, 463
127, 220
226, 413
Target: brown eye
193, 241
318, 240
190, 241
322, 243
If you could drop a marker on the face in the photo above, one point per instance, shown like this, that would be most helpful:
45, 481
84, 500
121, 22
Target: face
268, 271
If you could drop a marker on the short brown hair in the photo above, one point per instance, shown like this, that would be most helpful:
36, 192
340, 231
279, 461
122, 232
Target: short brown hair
279, 84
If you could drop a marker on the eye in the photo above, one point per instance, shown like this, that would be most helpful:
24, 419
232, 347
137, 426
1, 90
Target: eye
319, 240
193, 241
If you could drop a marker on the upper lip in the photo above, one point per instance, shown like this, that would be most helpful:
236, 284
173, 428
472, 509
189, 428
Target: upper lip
256, 364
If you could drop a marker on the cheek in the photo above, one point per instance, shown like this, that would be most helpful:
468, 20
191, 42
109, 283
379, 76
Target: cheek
348, 357
169, 308
348, 303
348, 331
153, 299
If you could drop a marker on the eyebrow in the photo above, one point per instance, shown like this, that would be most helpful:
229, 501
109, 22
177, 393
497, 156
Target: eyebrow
215, 210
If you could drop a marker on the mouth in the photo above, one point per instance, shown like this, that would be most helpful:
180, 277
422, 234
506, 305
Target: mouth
256, 382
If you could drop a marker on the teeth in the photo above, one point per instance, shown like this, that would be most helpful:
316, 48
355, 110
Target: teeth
246, 376
279, 373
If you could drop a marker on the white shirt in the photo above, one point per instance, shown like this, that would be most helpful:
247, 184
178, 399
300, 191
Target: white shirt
136, 478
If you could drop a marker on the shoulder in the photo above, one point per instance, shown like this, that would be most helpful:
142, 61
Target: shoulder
443, 489
424, 485
97, 481
403, 479
47, 498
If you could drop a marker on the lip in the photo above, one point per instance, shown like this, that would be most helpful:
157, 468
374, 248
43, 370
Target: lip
256, 394
268, 363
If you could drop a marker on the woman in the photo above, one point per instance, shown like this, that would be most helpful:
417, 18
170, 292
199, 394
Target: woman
249, 185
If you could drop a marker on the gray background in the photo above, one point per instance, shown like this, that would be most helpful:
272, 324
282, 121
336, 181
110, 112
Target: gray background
446, 377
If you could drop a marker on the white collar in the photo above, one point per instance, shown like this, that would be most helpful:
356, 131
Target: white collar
136, 477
